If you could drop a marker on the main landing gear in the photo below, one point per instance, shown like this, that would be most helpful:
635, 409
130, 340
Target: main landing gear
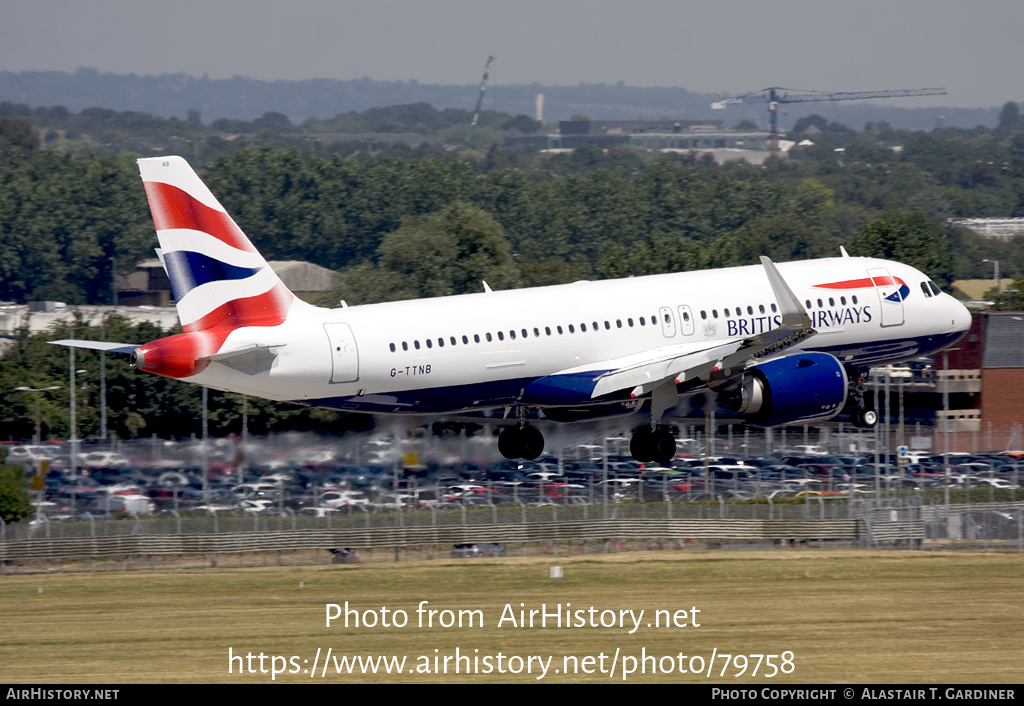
656, 445
521, 441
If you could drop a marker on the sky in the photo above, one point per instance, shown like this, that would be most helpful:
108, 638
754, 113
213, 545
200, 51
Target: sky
973, 50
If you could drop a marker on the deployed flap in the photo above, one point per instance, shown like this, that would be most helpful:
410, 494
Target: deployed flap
679, 365
109, 346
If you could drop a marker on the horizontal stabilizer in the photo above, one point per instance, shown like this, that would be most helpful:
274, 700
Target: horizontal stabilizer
108, 346
254, 348
252, 359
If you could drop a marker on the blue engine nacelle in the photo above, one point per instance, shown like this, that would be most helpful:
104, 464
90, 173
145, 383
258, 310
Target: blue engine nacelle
804, 387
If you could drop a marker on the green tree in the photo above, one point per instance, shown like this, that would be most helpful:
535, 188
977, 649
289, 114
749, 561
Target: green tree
909, 237
15, 502
443, 253
16, 135
1009, 116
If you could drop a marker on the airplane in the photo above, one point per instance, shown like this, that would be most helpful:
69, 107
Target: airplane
771, 344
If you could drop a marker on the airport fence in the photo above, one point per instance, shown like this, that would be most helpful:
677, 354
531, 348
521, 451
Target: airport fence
397, 534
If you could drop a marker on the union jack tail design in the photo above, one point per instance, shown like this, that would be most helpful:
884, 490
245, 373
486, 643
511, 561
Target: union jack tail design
218, 279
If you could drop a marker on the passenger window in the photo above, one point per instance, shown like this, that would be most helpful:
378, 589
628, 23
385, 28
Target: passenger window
405, 346
807, 303
476, 338
583, 327
547, 330
760, 308
559, 329
831, 301
773, 309
842, 300
512, 334
854, 298
392, 346
536, 332
465, 339
630, 322
642, 322
488, 337
452, 339
618, 323
726, 312
430, 344
416, 344
750, 311
714, 313
440, 343
571, 329
686, 316
703, 314
501, 335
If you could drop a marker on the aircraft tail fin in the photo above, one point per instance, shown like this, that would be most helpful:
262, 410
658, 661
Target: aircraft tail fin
217, 277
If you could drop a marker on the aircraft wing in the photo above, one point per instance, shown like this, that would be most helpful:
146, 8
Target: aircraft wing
108, 346
641, 373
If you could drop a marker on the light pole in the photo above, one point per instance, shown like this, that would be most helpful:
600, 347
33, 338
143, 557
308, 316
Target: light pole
74, 432
995, 274
38, 439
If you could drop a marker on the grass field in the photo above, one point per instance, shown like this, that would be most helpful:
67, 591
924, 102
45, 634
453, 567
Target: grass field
847, 616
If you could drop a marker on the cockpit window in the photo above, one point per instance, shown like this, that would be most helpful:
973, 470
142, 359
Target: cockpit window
924, 288
935, 288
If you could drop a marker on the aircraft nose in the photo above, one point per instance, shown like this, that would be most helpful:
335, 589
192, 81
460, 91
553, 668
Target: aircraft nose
960, 316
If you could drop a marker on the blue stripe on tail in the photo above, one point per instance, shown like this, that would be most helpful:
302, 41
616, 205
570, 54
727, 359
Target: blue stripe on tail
188, 270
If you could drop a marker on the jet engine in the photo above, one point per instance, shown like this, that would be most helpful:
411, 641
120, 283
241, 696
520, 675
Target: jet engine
794, 389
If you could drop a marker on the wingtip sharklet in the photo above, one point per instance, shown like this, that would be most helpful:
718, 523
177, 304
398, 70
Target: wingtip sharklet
793, 313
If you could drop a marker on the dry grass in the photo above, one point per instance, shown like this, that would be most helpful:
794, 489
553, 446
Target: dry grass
849, 616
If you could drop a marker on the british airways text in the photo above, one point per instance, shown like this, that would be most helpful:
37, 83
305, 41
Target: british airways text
822, 318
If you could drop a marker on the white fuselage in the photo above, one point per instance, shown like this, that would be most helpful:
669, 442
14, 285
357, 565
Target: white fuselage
481, 350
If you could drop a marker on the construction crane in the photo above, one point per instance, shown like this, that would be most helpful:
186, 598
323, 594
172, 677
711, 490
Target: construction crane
479, 102
774, 96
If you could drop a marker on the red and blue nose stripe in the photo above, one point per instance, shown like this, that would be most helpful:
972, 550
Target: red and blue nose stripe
899, 295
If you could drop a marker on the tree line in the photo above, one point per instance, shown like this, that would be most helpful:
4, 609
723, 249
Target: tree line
436, 225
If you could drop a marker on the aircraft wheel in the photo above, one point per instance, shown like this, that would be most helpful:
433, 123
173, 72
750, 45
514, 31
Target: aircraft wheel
663, 446
531, 443
866, 418
641, 445
510, 443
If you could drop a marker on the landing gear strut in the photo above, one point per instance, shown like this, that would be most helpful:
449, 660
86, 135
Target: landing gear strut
656, 445
521, 442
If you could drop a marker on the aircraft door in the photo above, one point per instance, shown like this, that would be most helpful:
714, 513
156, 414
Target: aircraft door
686, 320
668, 321
890, 296
344, 355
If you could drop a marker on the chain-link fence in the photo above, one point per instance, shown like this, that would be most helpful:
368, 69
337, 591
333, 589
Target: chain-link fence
396, 533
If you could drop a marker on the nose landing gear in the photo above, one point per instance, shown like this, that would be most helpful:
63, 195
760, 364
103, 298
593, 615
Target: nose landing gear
862, 416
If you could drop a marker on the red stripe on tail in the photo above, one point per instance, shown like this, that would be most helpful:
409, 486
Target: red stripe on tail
267, 309
174, 208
